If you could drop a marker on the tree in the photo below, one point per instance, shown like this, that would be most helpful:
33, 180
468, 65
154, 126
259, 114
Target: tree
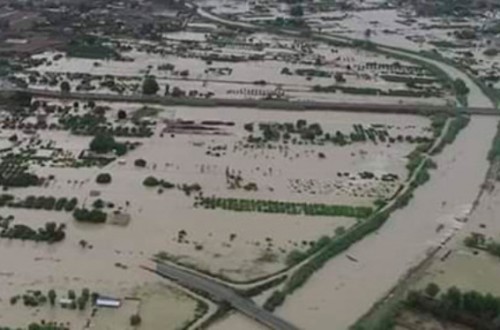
151, 181
460, 87
297, 11
339, 77
122, 114
135, 320
98, 204
150, 86
71, 294
65, 87
432, 289
248, 127
120, 149
340, 231
102, 143
52, 297
103, 178
140, 162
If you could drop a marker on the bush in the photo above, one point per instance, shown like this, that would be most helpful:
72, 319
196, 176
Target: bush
98, 204
151, 181
103, 178
71, 204
150, 86
102, 143
140, 162
93, 216
122, 114
135, 320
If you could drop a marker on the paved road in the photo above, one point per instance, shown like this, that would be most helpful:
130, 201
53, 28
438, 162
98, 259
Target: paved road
223, 293
263, 104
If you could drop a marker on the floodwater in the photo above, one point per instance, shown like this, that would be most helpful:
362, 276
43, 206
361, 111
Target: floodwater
336, 296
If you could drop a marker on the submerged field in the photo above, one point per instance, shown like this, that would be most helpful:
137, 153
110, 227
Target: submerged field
228, 191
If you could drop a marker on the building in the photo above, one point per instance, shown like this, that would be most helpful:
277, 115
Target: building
108, 302
119, 218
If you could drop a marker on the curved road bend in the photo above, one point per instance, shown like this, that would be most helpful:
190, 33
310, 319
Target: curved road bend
222, 293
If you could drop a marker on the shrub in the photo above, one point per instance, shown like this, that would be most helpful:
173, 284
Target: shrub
102, 143
103, 178
150, 86
140, 162
135, 320
93, 216
151, 181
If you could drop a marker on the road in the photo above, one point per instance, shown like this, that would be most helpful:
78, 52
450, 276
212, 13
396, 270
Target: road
262, 104
222, 293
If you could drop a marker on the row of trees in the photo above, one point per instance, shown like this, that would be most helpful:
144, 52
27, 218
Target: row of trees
47, 203
272, 132
93, 124
478, 241
293, 208
103, 178
50, 233
151, 181
20, 179
456, 125
472, 308
340, 243
92, 216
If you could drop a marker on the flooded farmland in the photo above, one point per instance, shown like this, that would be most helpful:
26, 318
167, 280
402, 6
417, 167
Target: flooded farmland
249, 165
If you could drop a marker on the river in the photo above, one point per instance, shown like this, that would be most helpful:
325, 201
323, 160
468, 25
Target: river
337, 295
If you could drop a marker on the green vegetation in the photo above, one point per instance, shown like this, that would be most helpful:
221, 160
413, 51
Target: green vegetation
92, 216
145, 111
19, 179
297, 11
455, 126
135, 320
303, 133
311, 73
340, 243
50, 233
94, 124
150, 86
90, 47
461, 90
47, 203
471, 308
65, 87
377, 91
151, 181
494, 152
103, 178
478, 241
140, 163
409, 80
105, 143
292, 208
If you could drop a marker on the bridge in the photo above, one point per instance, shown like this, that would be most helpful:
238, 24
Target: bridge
277, 104
221, 293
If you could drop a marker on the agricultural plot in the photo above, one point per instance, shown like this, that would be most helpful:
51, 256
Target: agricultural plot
219, 67
261, 183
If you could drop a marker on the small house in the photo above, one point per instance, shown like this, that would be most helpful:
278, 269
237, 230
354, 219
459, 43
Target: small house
108, 302
65, 302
